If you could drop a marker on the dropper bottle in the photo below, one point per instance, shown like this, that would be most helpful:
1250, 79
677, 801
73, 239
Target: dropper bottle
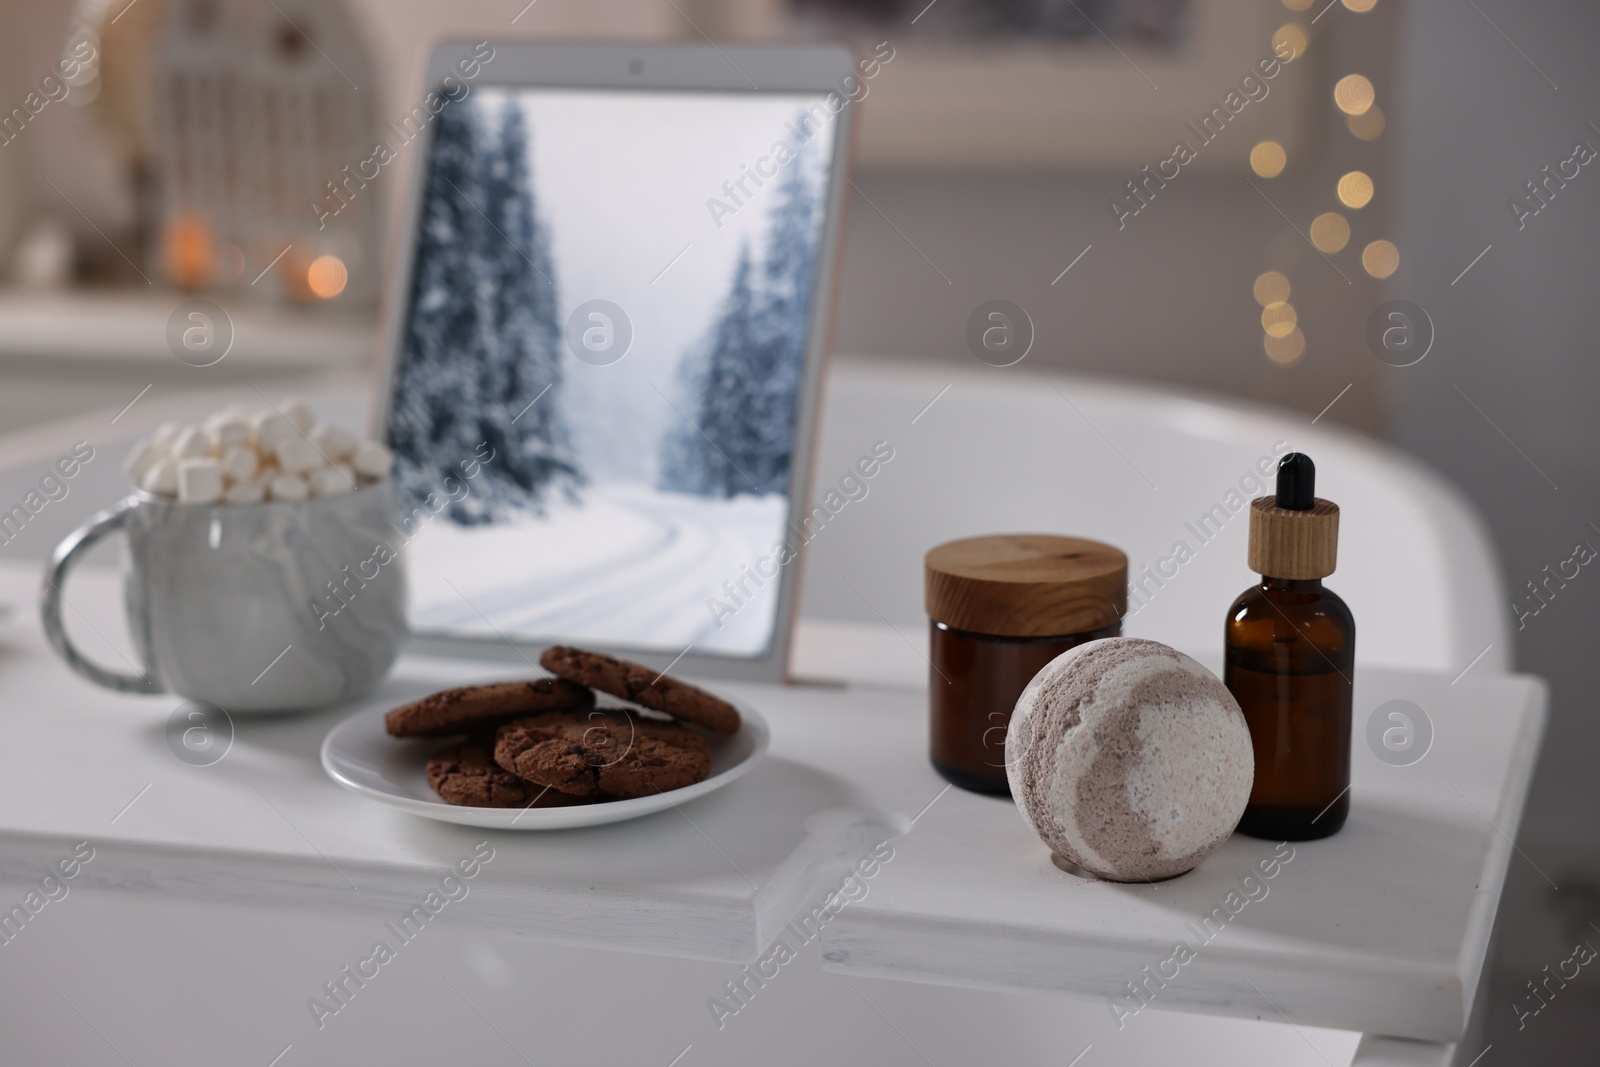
1289, 661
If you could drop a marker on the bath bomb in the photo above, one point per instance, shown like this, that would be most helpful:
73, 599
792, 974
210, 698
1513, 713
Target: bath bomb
1129, 759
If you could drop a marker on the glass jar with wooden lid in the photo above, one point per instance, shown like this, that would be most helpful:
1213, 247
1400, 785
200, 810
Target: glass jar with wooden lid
999, 609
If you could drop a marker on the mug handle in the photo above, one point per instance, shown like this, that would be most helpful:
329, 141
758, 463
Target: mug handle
62, 560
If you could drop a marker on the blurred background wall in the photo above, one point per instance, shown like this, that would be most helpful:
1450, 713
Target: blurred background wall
1483, 113
1168, 298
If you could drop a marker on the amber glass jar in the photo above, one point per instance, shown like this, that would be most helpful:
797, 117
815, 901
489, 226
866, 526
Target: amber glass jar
999, 609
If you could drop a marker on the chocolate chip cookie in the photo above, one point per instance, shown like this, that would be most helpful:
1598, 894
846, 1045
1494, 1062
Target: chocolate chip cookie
473, 708
467, 775
603, 751
640, 684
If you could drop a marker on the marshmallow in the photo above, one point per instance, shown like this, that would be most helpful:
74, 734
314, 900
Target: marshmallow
240, 464
288, 487
331, 481
335, 442
251, 492
191, 443
161, 479
372, 460
298, 456
272, 429
145, 454
199, 481
238, 458
231, 432
300, 413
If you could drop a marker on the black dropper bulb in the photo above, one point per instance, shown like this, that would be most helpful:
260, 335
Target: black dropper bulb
1297, 482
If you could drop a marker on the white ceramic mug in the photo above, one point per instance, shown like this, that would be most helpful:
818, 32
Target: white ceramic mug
251, 607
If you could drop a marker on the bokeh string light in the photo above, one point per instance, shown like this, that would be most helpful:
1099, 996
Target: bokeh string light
1380, 258
1291, 35
326, 277
1285, 350
1271, 287
1368, 125
1279, 320
1355, 190
1353, 94
1283, 340
1330, 232
1268, 159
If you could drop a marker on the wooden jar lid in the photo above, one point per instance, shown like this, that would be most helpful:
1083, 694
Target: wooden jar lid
1026, 585
1293, 544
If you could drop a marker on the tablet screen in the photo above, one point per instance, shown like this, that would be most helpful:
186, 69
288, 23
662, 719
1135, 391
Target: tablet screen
602, 358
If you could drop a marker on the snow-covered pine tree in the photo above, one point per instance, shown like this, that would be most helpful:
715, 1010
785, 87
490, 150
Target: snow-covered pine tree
788, 273
683, 450
745, 389
533, 453
481, 341
724, 413
433, 394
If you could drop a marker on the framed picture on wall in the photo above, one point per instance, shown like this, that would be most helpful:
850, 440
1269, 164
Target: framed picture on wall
1054, 84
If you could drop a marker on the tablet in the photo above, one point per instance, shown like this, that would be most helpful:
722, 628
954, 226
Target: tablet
605, 330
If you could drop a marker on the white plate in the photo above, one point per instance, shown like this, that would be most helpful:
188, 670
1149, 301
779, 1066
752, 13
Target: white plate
361, 756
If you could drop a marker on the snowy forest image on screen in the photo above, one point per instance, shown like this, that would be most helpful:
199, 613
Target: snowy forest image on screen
551, 489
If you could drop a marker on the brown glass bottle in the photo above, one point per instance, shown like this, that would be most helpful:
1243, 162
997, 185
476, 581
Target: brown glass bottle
1289, 662
1288, 659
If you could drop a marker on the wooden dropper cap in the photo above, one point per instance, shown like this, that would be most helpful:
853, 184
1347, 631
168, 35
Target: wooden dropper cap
1296, 533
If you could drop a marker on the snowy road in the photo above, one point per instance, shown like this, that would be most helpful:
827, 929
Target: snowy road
629, 566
